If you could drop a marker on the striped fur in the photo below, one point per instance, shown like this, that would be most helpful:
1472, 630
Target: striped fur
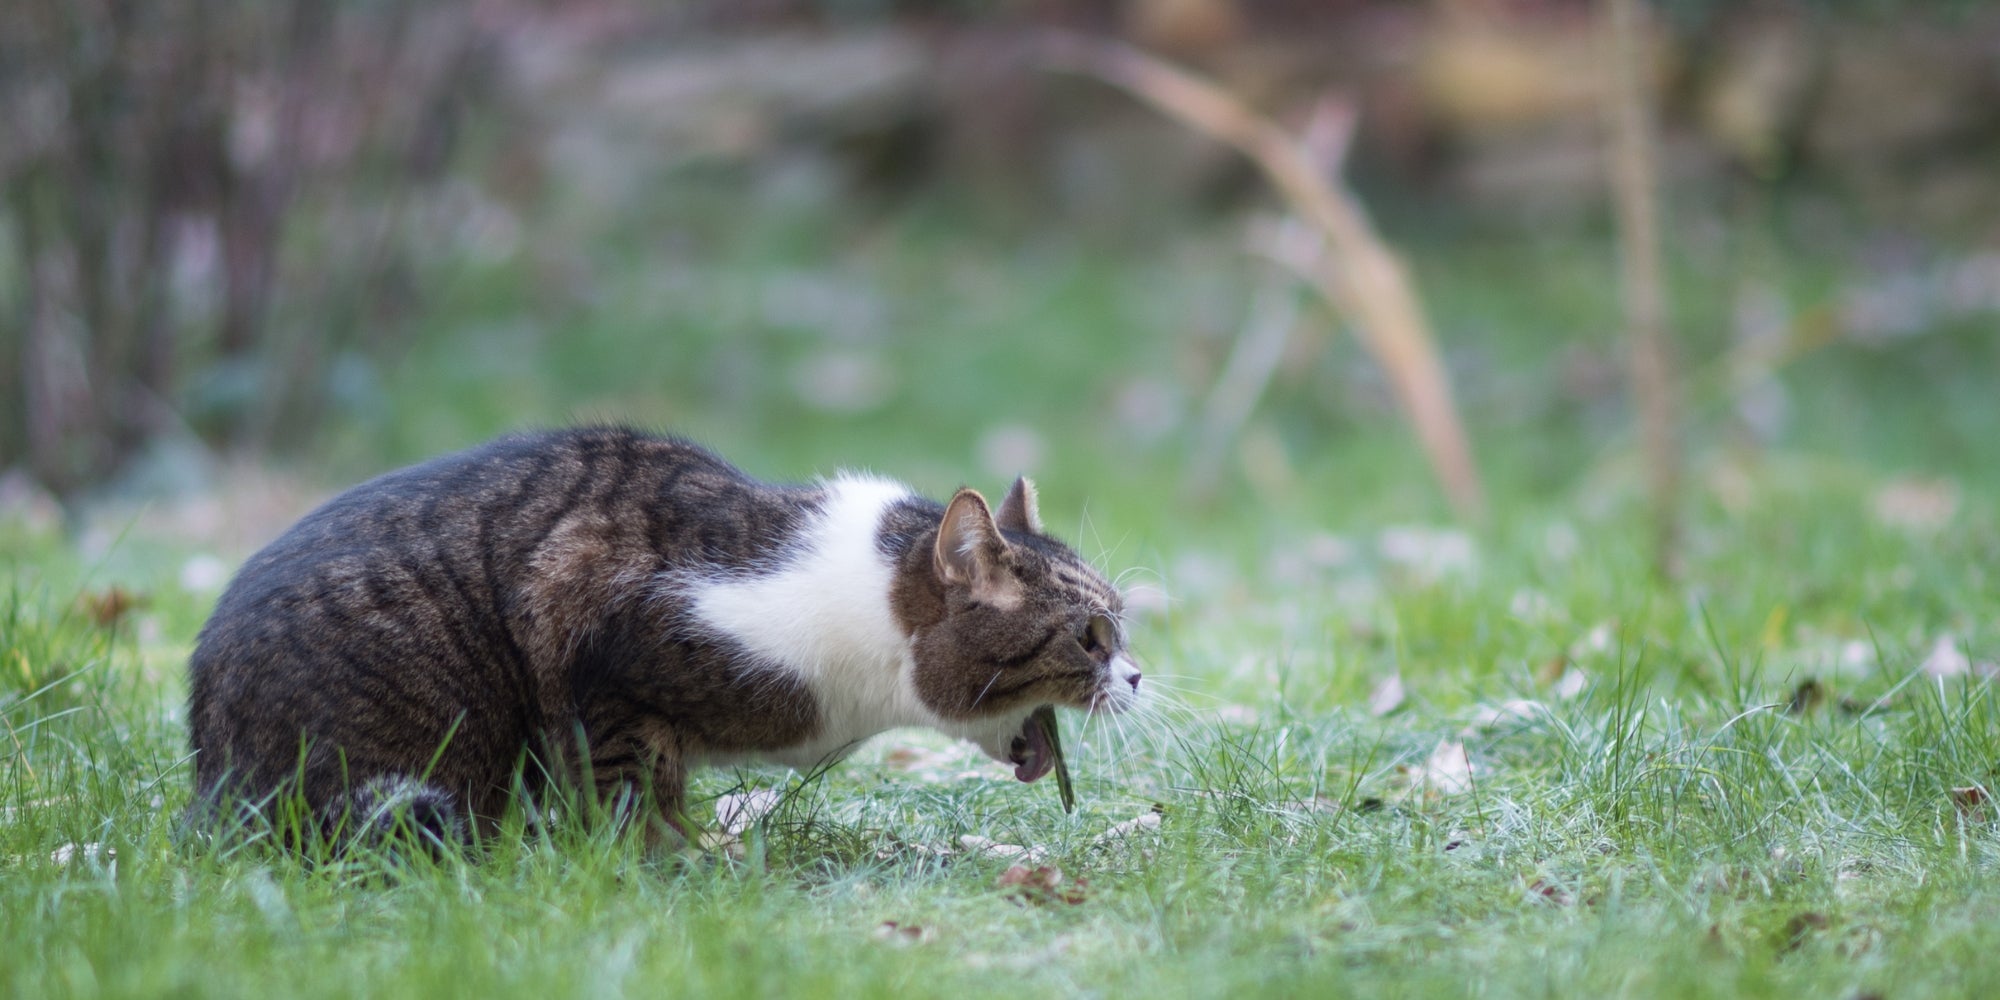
607, 609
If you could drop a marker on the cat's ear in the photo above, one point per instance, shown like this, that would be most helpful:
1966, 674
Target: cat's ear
970, 551
1019, 511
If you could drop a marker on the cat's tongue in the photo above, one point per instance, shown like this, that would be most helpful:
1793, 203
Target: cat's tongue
1037, 755
1038, 750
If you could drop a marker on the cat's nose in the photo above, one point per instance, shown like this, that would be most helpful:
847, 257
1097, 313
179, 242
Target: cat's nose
1126, 669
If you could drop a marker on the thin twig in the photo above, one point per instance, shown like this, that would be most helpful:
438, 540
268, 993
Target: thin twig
1360, 275
1634, 185
1260, 346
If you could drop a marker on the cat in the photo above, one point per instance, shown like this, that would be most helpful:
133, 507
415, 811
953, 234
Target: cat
609, 608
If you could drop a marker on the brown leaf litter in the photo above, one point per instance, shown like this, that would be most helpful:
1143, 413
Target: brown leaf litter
1042, 884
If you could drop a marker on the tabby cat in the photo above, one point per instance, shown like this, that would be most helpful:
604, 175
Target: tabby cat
609, 608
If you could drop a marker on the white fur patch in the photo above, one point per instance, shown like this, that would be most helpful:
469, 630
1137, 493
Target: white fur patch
1121, 693
823, 616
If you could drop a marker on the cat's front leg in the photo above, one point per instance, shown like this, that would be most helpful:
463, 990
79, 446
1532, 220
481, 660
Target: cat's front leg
637, 773
668, 826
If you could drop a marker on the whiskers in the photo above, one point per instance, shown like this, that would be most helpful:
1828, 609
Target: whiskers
987, 689
1149, 726
1149, 578
1130, 571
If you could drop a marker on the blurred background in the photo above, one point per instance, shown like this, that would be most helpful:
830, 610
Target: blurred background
253, 250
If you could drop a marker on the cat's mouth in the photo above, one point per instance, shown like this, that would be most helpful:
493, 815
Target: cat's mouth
1032, 754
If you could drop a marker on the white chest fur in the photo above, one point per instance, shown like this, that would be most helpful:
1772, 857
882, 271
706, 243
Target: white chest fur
822, 616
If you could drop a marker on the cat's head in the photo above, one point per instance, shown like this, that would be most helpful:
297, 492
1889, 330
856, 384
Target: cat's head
1012, 620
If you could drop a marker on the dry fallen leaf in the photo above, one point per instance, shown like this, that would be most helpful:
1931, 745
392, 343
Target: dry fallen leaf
1143, 823
1513, 711
739, 811
901, 934
907, 758
897, 851
1387, 696
1801, 927
1597, 641
92, 852
1532, 605
979, 846
1551, 892
1917, 504
940, 765
1971, 802
1947, 658
1570, 684
1448, 771
1552, 670
109, 606
1562, 677
717, 842
1429, 555
1042, 884
1022, 875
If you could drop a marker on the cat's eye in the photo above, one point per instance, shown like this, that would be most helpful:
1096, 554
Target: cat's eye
1097, 636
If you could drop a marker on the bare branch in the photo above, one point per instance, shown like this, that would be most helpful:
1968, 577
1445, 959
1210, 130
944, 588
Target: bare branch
1634, 187
1359, 274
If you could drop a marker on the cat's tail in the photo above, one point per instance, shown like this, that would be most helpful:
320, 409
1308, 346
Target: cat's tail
392, 805
381, 813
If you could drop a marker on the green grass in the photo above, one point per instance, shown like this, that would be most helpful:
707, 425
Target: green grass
1672, 829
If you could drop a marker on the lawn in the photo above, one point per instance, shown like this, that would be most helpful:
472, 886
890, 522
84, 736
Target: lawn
1389, 755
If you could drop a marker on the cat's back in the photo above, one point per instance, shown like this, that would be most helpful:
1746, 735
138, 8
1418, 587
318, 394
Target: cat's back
511, 546
491, 507
460, 585
512, 488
